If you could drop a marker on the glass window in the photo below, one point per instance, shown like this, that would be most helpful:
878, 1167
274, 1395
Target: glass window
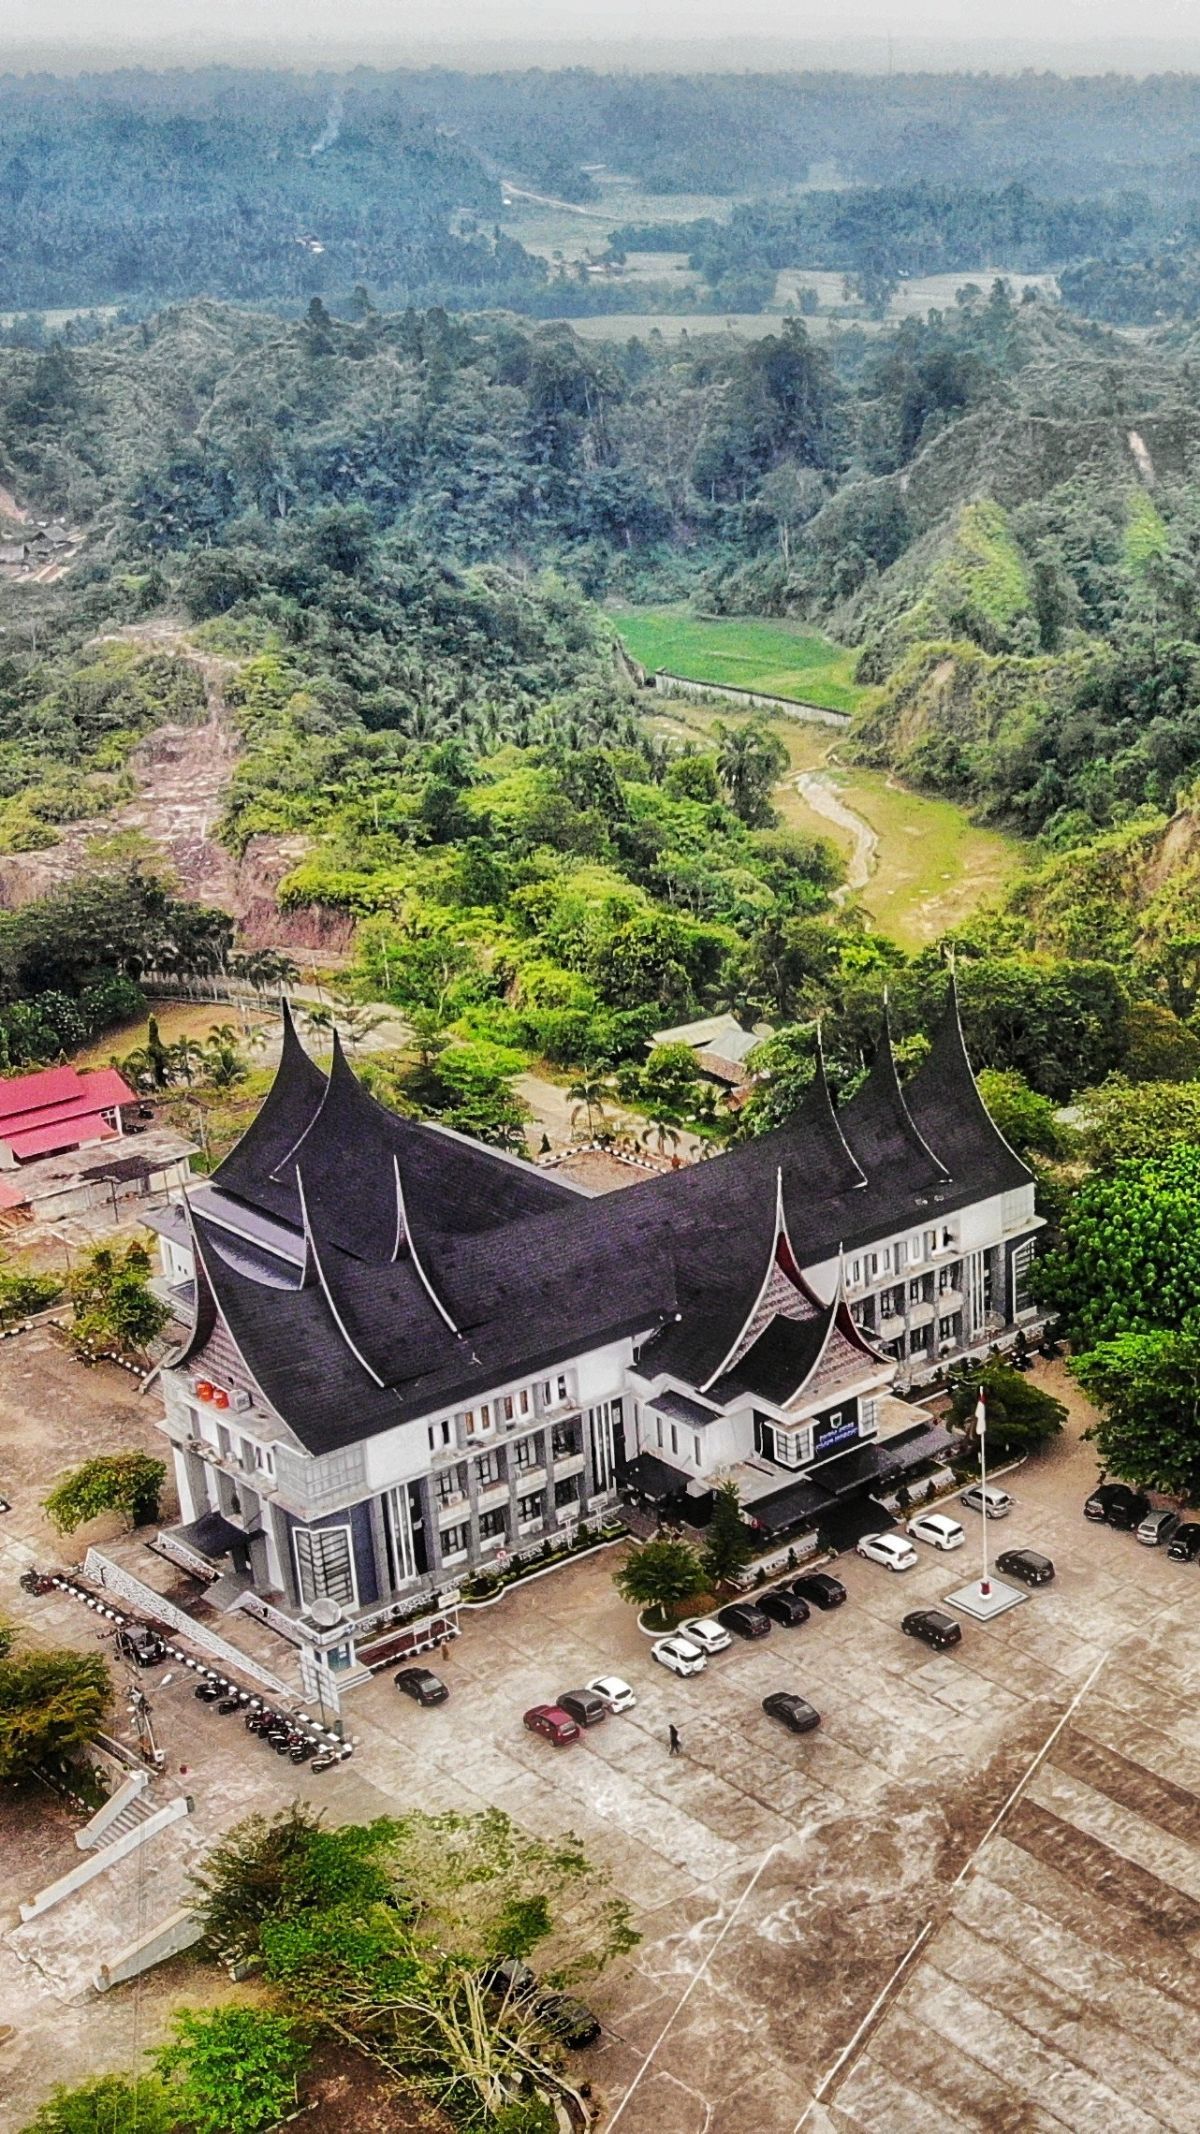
565, 1442
529, 1509
674, 1438
696, 1450
930, 1242
567, 1491
449, 1485
454, 1540
527, 1453
658, 1430
487, 1469
324, 1564
946, 1329
491, 1525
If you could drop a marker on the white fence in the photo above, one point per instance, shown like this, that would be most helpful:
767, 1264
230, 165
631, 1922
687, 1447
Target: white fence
113, 1577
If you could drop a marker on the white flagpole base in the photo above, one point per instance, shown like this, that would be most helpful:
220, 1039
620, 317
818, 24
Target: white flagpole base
984, 1600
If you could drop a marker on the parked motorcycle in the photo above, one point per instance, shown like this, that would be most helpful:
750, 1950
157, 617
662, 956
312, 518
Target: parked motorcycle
208, 1692
230, 1704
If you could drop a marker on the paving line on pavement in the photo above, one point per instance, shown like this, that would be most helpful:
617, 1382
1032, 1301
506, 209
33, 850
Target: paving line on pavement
888, 1992
695, 1978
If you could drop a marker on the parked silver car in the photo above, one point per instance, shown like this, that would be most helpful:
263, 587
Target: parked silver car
1158, 1527
980, 1496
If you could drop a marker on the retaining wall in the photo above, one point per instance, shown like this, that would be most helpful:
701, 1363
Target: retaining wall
679, 685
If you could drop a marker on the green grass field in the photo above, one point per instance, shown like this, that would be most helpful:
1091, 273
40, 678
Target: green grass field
743, 653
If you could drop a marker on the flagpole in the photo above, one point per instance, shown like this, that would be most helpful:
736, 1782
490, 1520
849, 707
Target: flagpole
981, 1431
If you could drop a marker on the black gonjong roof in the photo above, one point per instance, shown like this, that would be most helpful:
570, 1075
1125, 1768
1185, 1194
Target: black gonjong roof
290, 1106
880, 1129
944, 1099
780, 1361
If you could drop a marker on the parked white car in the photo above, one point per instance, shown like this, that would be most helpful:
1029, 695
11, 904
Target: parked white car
998, 1503
616, 1694
891, 1550
708, 1634
935, 1528
679, 1655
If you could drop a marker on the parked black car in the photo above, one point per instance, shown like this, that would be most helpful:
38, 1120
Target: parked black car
144, 1647
795, 1713
1184, 1544
1027, 1565
421, 1684
584, 1706
1115, 1504
744, 1619
933, 1628
783, 1606
820, 1588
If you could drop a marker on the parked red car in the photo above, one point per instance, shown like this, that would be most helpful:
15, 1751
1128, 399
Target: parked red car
552, 1723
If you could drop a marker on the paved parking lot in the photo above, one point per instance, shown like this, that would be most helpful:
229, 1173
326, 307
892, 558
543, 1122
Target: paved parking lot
779, 1881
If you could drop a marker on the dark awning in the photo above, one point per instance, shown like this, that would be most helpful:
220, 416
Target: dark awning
213, 1534
789, 1507
652, 1478
912, 1449
682, 1410
841, 1477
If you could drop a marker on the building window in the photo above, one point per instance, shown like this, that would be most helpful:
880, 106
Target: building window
855, 1273
915, 1291
264, 1459
658, 1431
947, 1328
439, 1435
449, 1485
868, 1416
454, 1540
566, 1442
325, 1564
527, 1452
675, 1440
601, 1423
491, 1526
947, 1236
529, 1510
566, 1492
918, 1341
224, 1442
914, 1246
487, 1469
477, 1420
696, 1450
930, 1243
554, 1392
1022, 1265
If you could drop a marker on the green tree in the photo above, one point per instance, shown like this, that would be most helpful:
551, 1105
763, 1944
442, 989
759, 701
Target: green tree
589, 1096
660, 1575
110, 2104
669, 1085
232, 2070
51, 1704
728, 1543
1147, 1387
1025, 1118
1021, 1415
128, 1482
750, 760
1128, 1255
1121, 1124
115, 1307
157, 1054
24, 1290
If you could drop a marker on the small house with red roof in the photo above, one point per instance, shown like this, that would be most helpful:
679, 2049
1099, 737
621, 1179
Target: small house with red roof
59, 1108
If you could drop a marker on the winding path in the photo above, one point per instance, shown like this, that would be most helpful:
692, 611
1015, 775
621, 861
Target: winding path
823, 798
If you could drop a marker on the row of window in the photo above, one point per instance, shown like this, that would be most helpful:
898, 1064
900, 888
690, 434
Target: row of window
905, 1252
505, 1410
524, 1454
456, 1540
253, 1457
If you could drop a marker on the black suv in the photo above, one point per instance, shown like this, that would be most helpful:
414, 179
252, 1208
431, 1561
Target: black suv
1184, 1544
418, 1682
583, 1706
744, 1620
820, 1588
1115, 1504
1026, 1564
783, 1607
933, 1628
795, 1713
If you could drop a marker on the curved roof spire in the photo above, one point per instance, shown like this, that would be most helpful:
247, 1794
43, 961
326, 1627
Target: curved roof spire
782, 1293
878, 1126
405, 1237
823, 1101
312, 1260
288, 1110
944, 1099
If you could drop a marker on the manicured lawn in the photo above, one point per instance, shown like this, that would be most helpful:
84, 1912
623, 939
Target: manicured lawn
744, 652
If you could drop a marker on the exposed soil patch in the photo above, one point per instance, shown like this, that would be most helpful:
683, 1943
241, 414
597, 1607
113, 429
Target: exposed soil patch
344, 2091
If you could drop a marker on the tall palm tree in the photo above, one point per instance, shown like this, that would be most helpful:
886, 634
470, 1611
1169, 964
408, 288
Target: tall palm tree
662, 1134
589, 1094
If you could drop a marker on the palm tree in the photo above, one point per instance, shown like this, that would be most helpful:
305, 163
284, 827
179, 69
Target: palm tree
184, 1055
223, 1062
320, 1020
358, 1024
589, 1094
661, 1132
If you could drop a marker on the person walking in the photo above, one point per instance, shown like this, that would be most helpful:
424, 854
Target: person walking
673, 1738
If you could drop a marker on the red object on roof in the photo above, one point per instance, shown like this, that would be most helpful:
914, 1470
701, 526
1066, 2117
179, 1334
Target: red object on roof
12, 1196
59, 1109
68, 1134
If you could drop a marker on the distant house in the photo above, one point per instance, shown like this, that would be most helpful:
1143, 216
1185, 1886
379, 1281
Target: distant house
59, 1108
14, 555
721, 1046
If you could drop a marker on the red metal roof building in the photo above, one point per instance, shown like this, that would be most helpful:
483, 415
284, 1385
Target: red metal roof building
60, 1108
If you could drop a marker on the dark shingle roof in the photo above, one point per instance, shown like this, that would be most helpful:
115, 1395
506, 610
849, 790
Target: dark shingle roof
290, 1106
944, 1100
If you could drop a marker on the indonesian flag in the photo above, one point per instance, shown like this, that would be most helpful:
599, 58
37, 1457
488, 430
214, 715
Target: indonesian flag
980, 1417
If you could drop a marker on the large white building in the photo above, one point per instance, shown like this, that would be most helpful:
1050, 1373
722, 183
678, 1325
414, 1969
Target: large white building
411, 1356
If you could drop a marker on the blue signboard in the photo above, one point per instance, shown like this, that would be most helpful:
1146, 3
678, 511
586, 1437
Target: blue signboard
838, 1427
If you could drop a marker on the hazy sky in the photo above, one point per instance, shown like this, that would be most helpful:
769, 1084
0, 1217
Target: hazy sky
1138, 32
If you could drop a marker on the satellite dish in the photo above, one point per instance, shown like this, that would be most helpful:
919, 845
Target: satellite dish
326, 1613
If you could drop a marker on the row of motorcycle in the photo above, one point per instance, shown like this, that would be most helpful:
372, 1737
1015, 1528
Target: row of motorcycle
277, 1729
